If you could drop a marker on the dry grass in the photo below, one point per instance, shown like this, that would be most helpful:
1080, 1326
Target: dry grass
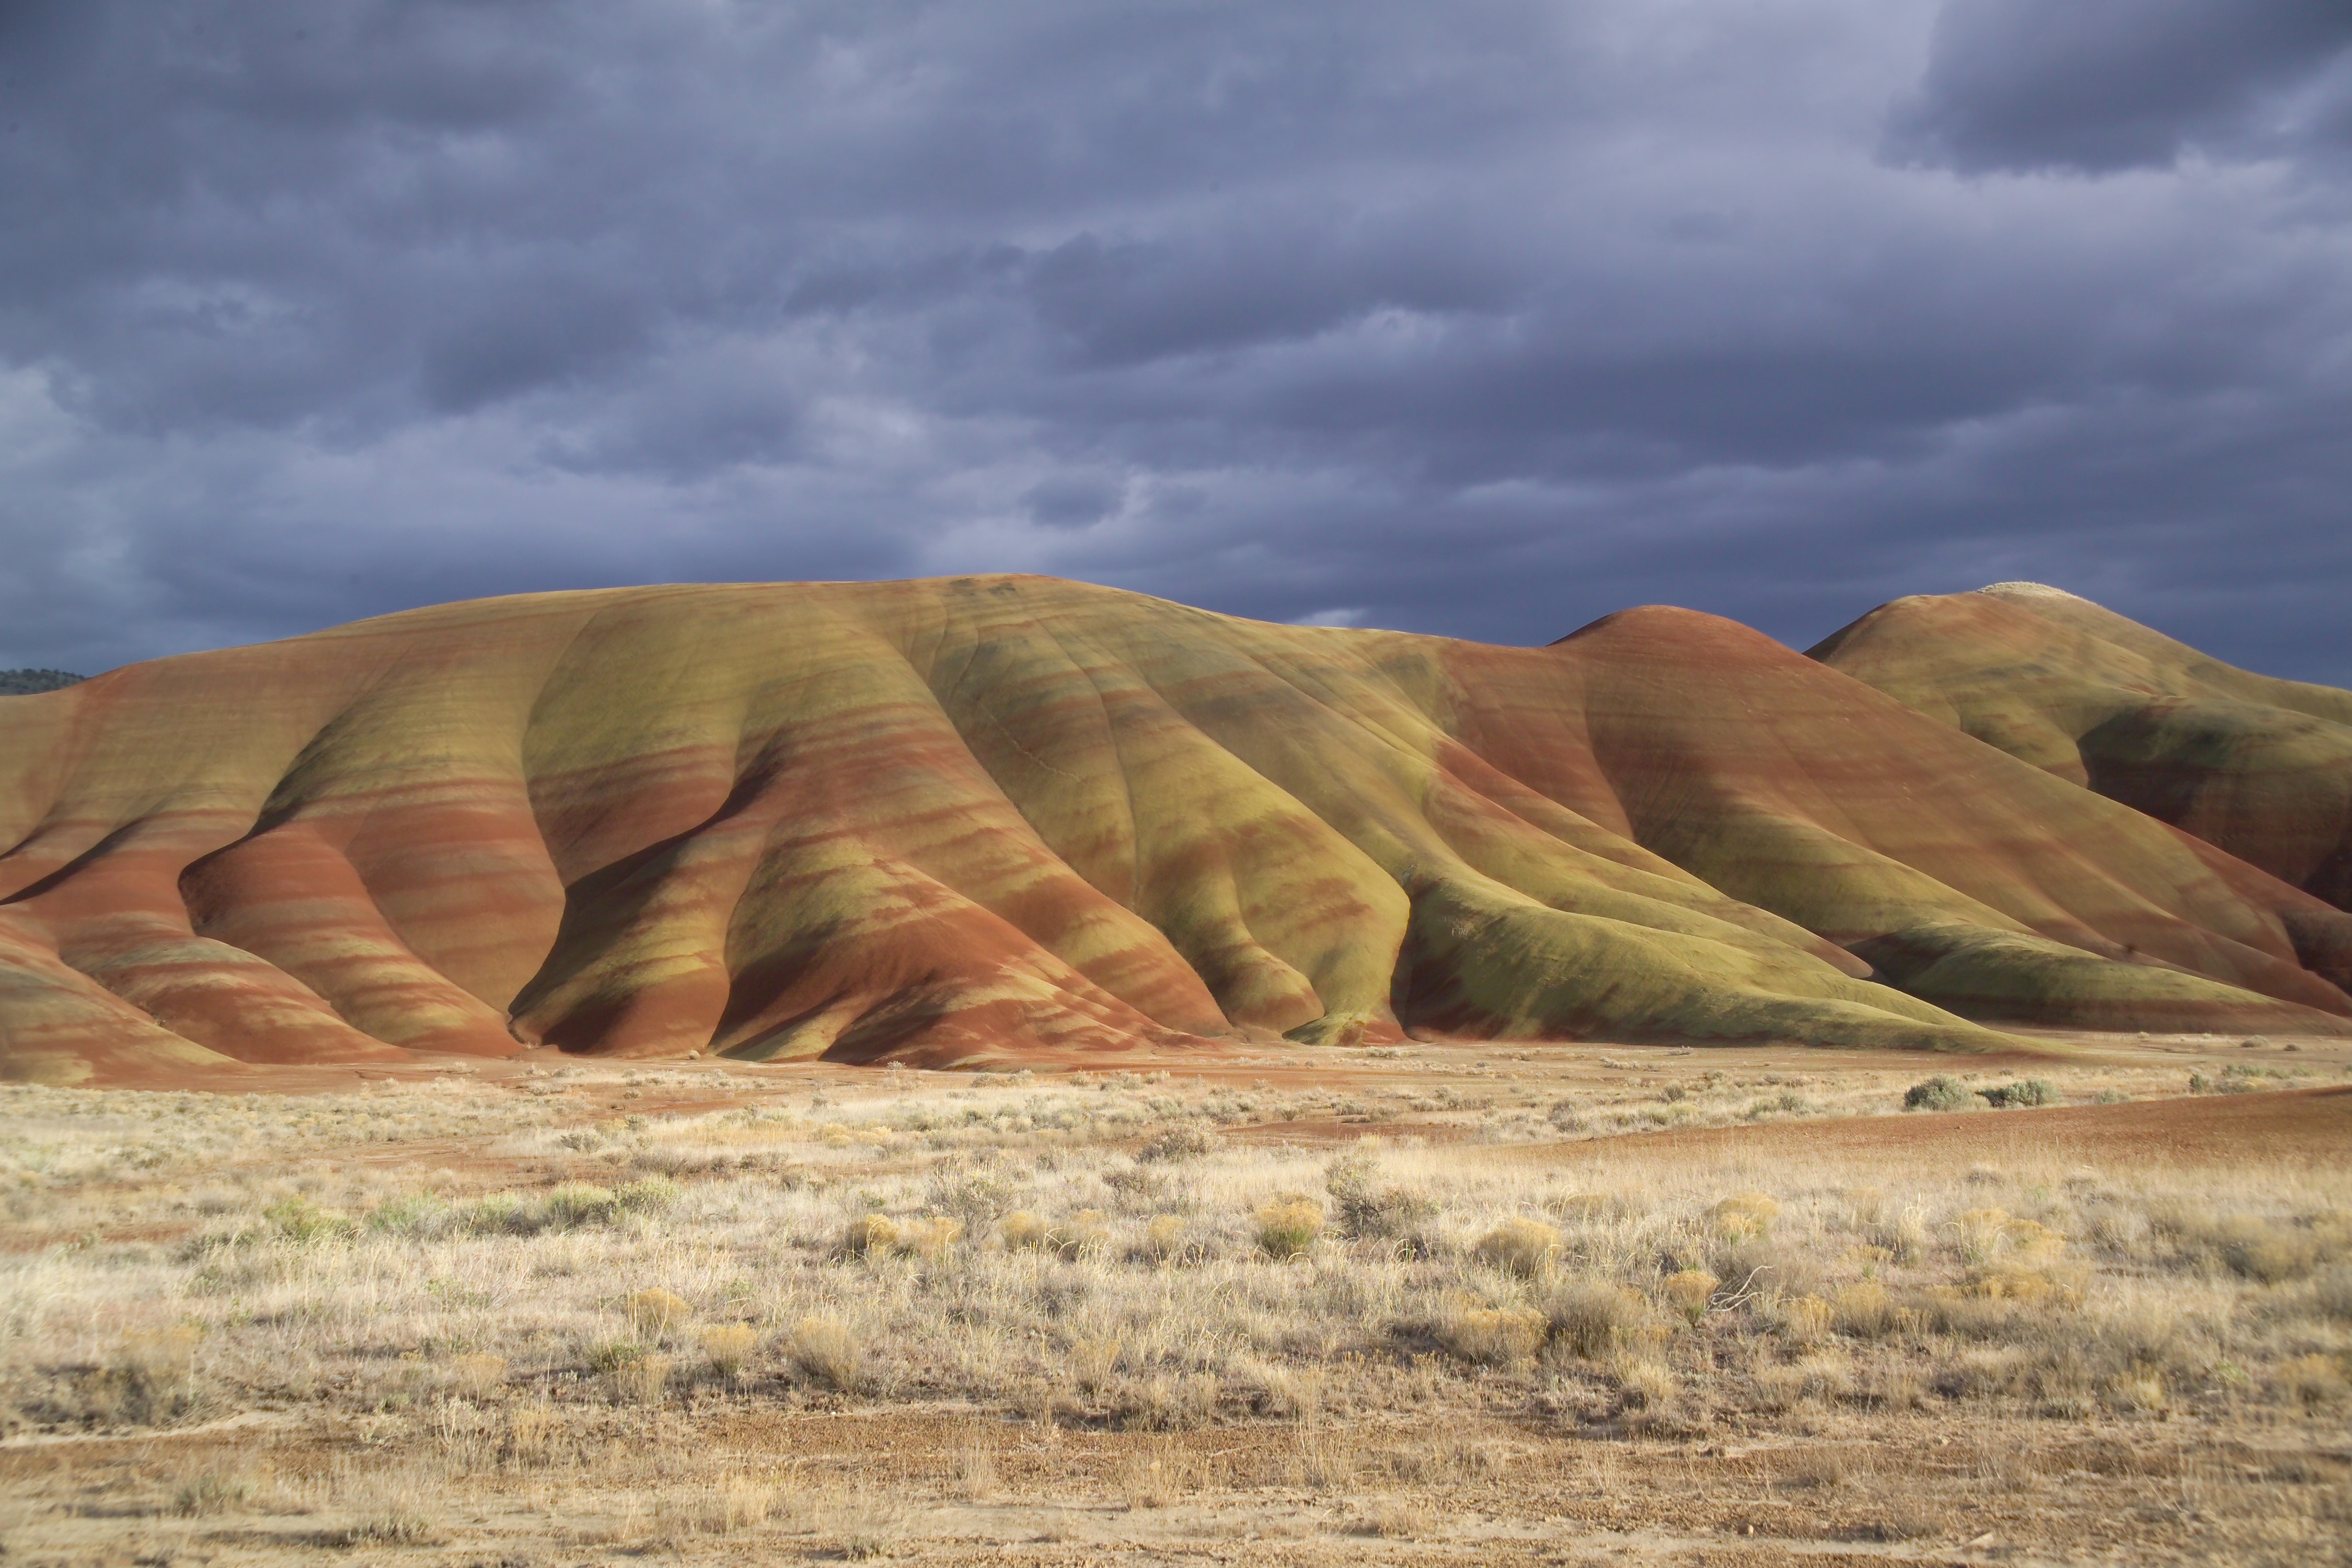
1088, 1256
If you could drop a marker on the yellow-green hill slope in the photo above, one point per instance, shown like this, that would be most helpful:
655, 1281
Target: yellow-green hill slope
999, 818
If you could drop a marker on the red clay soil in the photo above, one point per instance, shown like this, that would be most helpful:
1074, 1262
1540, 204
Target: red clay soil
2311, 1125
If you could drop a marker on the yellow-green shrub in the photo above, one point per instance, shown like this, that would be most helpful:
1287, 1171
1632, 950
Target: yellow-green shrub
1688, 1292
1288, 1226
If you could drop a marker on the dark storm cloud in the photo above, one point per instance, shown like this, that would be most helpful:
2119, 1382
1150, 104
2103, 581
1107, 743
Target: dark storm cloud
1485, 319
2100, 85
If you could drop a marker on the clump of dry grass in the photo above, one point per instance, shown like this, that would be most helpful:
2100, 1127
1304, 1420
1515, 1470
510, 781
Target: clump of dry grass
733, 1503
2317, 1382
1688, 1292
727, 1347
1645, 1383
210, 1492
929, 1238
1594, 1318
2258, 1247
1394, 1519
1527, 1247
1085, 1233
641, 1378
1493, 1336
1164, 1239
1023, 1231
1744, 1216
533, 1436
826, 1349
1288, 1226
150, 1379
653, 1313
1801, 1319
977, 1477
1865, 1309
1324, 1459
864, 1527
869, 1235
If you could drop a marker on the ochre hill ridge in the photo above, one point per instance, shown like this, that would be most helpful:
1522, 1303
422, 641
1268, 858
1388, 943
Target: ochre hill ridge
1010, 817
2260, 766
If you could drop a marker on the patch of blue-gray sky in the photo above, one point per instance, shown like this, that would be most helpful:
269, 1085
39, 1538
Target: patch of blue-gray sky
1483, 318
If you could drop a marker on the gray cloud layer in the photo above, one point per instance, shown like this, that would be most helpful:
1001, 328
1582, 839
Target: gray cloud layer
1483, 319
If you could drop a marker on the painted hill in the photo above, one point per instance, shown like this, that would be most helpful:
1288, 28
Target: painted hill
1007, 818
2260, 767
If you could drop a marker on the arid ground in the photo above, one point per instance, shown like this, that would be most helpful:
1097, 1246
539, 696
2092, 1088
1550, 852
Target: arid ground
1426, 1303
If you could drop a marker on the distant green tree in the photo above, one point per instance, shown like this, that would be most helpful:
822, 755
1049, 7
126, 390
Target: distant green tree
21, 682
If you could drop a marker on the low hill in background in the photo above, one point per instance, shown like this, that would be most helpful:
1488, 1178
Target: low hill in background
25, 682
1003, 818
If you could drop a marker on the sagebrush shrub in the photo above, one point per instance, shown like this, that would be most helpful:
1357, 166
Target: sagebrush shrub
1368, 1207
1942, 1093
1182, 1142
296, 1219
977, 1194
569, 1204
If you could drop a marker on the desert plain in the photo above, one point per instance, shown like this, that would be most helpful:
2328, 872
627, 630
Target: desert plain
1444, 1302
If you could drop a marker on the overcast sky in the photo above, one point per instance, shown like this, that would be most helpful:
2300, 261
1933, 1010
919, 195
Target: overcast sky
1481, 317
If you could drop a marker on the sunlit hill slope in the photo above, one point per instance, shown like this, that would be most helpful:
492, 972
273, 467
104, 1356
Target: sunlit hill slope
2260, 767
1012, 818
